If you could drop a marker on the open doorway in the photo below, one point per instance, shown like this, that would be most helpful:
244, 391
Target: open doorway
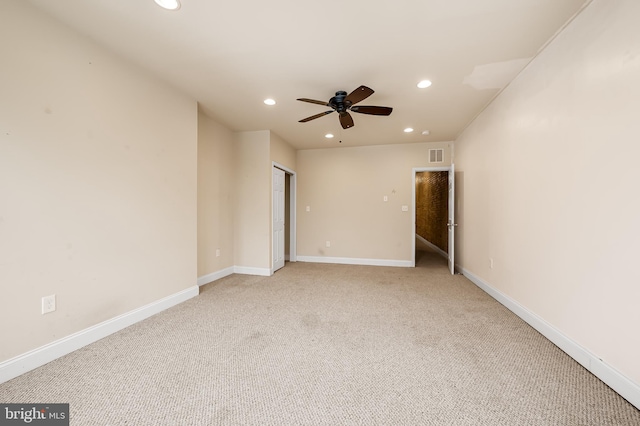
287, 216
283, 230
433, 229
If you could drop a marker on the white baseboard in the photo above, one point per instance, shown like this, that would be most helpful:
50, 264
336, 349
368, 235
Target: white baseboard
244, 270
624, 386
206, 279
47, 353
355, 261
249, 270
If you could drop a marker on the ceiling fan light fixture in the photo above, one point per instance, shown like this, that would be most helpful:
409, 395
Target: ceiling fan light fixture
424, 84
408, 130
269, 101
168, 4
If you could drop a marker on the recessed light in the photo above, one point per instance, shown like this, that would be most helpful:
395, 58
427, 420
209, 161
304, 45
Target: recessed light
328, 136
168, 4
269, 102
426, 132
408, 130
424, 84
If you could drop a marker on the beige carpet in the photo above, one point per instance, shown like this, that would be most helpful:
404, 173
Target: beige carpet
328, 345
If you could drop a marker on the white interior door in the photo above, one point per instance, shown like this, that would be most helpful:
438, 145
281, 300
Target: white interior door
451, 224
278, 219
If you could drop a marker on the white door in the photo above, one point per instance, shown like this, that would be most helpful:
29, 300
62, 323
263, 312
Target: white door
278, 219
451, 224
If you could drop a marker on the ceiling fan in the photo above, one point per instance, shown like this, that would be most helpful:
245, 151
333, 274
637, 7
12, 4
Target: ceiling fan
343, 103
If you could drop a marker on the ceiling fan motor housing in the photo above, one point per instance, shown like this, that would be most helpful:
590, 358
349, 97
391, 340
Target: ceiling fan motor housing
338, 103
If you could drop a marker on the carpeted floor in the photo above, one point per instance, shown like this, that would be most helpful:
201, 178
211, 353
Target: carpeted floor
323, 344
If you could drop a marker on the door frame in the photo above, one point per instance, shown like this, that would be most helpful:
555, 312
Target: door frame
292, 212
278, 218
413, 205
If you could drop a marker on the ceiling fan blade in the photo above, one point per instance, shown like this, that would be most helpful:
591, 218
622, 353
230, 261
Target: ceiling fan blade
373, 110
313, 101
313, 117
346, 120
360, 94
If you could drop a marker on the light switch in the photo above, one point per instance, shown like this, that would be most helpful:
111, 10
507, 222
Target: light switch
308, 208
385, 198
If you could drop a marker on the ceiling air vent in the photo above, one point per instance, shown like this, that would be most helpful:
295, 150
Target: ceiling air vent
436, 155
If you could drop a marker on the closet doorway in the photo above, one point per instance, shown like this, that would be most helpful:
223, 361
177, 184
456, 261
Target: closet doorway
283, 214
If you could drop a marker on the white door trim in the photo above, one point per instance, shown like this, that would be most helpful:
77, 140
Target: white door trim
413, 204
278, 217
292, 211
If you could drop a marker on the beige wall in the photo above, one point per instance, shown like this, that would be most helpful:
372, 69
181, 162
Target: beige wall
234, 196
252, 227
281, 152
344, 188
215, 196
549, 176
97, 183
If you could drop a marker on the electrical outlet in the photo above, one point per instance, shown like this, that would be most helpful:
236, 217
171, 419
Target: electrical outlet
48, 304
217, 252
328, 243
405, 208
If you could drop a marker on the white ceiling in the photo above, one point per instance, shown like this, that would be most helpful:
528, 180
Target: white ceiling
232, 55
